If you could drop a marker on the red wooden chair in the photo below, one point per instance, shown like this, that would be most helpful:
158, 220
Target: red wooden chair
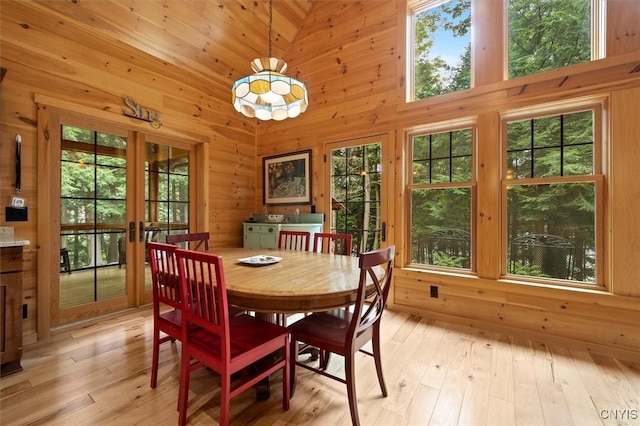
225, 345
201, 243
200, 240
344, 332
294, 240
332, 243
166, 293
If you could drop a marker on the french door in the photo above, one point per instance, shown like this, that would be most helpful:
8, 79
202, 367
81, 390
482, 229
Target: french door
360, 186
169, 168
113, 189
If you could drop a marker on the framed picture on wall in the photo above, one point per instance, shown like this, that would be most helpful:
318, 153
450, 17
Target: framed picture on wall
287, 178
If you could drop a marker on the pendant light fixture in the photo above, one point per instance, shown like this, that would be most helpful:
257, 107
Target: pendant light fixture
269, 94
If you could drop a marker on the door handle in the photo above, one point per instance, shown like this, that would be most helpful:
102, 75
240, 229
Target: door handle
141, 231
383, 233
132, 232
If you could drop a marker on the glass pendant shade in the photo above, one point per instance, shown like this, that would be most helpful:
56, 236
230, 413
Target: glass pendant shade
269, 94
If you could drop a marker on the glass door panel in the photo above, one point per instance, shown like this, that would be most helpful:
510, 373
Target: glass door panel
117, 189
166, 193
93, 185
356, 194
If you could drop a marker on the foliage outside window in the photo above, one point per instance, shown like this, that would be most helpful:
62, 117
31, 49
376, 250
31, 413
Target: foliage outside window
441, 186
92, 196
167, 190
548, 34
551, 193
441, 48
355, 194
541, 35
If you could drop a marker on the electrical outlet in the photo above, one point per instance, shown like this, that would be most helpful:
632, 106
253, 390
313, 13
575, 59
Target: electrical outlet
434, 291
24, 311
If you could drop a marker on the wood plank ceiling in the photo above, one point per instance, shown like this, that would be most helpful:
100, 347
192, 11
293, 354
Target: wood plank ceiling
208, 43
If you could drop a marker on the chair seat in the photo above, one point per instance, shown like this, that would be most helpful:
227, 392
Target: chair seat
247, 335
326, 329
171, 322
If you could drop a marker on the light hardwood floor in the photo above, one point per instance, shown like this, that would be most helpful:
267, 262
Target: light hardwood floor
437, 373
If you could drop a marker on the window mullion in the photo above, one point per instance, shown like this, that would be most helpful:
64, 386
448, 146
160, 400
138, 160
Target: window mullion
561, 145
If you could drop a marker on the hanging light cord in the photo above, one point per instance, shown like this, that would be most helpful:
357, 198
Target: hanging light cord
270, 23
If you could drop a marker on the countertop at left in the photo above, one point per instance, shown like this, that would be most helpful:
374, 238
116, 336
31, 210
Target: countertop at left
7, 238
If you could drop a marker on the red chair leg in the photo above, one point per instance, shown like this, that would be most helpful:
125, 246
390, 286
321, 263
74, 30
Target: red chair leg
293, 353
375, 342
154, 362
225, 398
286, 377
324, 359
281, 320
349, 369
183, 393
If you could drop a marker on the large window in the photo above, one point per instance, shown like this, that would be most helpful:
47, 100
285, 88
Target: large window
441, 188
549, 34
440, 47
552, 184
538, 36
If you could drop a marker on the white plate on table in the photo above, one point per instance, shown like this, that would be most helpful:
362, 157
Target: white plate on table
259, 260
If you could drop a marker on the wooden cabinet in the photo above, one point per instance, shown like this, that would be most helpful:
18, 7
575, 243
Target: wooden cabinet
10, 309
260, 235
265, 235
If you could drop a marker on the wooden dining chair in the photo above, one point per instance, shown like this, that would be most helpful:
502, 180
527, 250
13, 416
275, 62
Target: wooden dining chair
201, 240
225, 345
167, 324
332, 243
339, 244
345, 331
194, 241
294, 240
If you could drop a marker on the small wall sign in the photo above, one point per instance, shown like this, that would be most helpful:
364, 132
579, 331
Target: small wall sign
142, 113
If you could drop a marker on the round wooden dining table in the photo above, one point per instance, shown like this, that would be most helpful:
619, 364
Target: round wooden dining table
299, 282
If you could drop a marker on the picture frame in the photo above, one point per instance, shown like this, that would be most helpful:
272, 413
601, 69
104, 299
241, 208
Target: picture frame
287, 178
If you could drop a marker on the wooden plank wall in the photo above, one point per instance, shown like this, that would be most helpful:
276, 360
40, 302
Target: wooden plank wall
349, 55
46, 58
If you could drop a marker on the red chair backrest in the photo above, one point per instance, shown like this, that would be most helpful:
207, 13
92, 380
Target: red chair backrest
164, 275
332, 243
367, 314
204, 290
294, 240
201, 240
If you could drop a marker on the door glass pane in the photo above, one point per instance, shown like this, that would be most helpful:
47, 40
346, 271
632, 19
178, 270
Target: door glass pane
167, 193
355, 193
92, 216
